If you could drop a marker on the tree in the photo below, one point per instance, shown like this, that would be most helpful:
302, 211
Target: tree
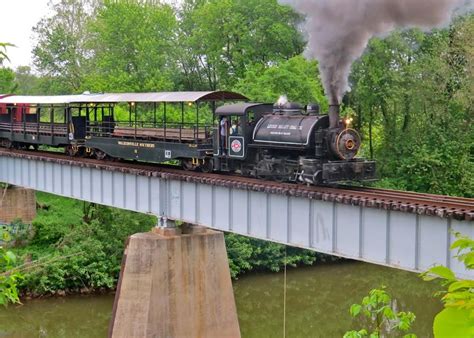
220, 40
132, 47
7, 80
60, 53
28, 83
411, 94
297, 78
7, 76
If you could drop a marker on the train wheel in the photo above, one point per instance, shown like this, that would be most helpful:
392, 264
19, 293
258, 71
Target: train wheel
188, 165
9, 144
71, 150
207, 166
100, 155
6, 144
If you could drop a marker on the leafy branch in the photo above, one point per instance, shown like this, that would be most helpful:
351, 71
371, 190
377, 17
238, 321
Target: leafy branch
383, 319
457, 319
8, 278
3, 51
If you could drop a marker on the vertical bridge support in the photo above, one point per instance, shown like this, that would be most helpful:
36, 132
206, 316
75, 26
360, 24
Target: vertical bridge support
175, 285
17, 203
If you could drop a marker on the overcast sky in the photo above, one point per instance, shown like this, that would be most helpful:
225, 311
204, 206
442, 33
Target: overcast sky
17, 19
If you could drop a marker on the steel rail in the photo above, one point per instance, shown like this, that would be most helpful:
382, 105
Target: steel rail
420, 203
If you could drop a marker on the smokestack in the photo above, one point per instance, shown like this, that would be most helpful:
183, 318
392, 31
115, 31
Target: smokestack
339, 30
333, 115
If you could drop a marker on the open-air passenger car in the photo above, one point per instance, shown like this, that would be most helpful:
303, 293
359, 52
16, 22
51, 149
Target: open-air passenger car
153, 127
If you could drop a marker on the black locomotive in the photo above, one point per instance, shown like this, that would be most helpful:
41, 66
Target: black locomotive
283, 142
287, 142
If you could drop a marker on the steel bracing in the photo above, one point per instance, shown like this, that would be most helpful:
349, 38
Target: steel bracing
398, 239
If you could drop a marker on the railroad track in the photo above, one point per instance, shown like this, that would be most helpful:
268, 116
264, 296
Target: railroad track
420, 203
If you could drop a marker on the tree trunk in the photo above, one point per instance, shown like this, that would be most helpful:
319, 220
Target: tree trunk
371, 118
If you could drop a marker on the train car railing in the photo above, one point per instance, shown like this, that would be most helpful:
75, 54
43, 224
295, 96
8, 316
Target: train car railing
182, 132
42, 128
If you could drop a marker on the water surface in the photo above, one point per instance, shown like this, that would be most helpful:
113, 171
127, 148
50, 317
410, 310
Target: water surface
318, 301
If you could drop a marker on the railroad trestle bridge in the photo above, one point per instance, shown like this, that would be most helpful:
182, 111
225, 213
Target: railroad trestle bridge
407, 231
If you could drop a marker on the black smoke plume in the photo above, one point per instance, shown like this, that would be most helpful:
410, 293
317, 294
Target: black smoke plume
339, 30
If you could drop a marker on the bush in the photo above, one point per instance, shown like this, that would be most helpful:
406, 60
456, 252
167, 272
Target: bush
78, 247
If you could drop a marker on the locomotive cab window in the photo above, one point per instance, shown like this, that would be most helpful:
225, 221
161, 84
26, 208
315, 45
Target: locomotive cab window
250, 117
235, 125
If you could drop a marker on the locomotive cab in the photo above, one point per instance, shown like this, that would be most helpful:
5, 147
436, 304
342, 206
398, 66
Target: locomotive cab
236, 123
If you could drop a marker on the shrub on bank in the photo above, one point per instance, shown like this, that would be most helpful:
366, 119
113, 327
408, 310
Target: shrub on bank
78, 247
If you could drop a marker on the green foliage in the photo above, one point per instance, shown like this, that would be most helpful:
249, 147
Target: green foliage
149, 46
412, 93
457, 319
452, 322
132, 44
7, 80
60, 54
383, 319
9, 278
7, 76
27, 83
297, 78
77, 246
3, 51
247, 254
221, 39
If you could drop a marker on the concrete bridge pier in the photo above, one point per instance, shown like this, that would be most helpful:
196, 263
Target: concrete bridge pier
17, 203
175, 283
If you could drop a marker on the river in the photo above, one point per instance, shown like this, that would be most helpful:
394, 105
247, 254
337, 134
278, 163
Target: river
317, 305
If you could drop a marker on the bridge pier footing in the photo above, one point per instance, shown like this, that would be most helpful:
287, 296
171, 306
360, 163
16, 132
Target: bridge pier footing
175, 283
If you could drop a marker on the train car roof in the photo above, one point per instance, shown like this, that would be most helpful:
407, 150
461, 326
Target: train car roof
242, 108
126, 97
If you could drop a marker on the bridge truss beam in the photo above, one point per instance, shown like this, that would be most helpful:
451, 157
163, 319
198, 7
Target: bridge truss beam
393, 238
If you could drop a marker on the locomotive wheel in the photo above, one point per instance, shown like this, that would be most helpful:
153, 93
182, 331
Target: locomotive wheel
100, 155
279, 173
260, 169
207, 166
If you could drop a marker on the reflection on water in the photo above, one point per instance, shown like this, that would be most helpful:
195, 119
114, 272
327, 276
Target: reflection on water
75, 316
318, 301
319, 298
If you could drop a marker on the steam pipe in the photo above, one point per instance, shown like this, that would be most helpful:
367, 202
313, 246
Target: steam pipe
333, 115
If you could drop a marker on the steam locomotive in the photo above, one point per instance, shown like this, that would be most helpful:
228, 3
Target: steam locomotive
284, 141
